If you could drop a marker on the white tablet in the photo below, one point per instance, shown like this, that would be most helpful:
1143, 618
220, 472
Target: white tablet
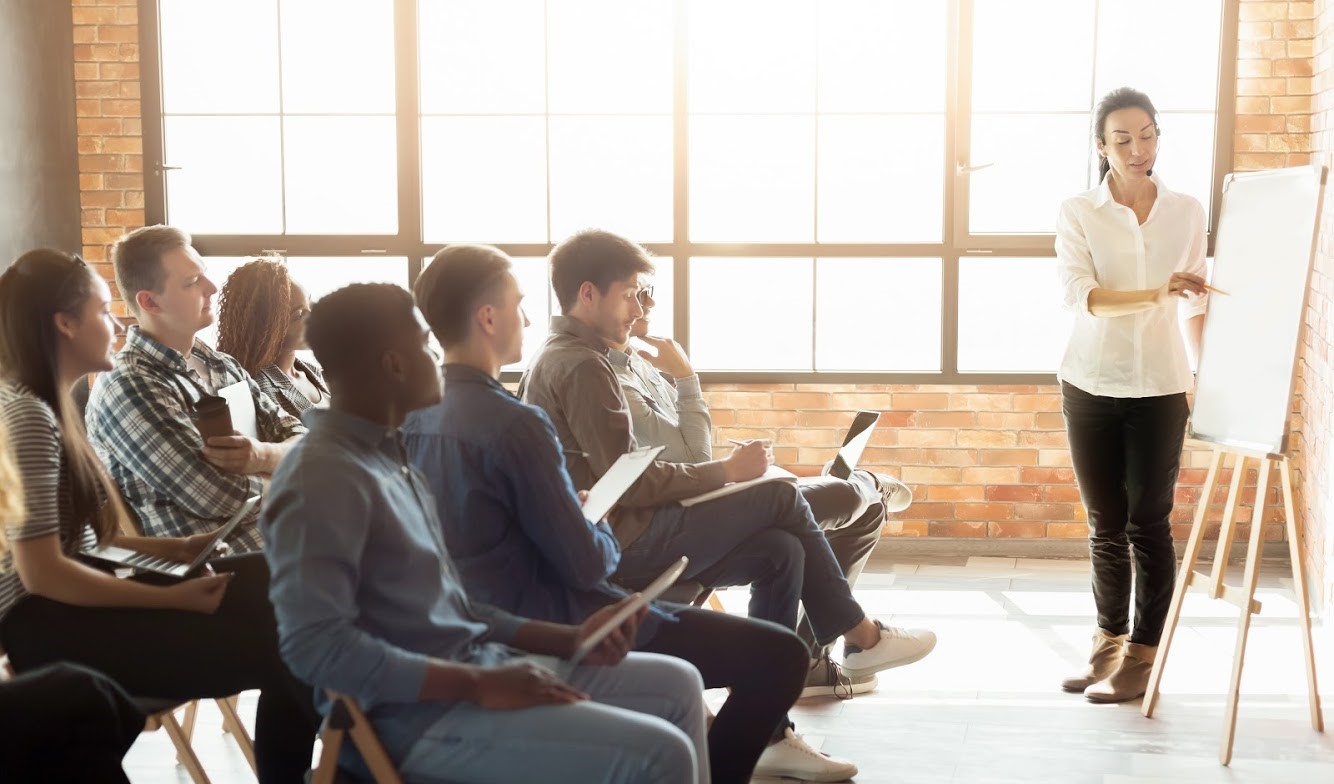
665, 580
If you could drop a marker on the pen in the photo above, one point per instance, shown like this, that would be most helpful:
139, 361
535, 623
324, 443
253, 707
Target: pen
575, 452
1207, 287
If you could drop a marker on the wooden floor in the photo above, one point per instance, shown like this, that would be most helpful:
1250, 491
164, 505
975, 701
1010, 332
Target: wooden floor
986, 707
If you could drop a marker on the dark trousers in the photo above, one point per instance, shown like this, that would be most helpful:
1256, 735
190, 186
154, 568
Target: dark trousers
64, 723
1126, 454
762, 663
851, 514
763, 536
181, 655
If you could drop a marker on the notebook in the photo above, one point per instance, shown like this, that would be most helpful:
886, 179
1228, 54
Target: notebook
123, 557
854, 443
613, 484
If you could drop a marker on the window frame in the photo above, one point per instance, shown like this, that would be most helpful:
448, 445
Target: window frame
956, 242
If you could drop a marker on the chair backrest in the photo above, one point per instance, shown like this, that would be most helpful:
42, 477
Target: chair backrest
346, 718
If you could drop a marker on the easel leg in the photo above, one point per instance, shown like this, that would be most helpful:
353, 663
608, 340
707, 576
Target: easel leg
1295, 553
1252, 575
1183, 584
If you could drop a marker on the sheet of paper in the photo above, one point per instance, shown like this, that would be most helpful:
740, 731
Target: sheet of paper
603, 495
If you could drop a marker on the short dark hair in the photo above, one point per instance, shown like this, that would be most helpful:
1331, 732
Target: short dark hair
137, 257
1120, 98
459, 279
350, 327
597, 256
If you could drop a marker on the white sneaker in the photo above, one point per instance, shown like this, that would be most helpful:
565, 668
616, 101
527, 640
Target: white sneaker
896, 648
794, 758
894, 495
827, 679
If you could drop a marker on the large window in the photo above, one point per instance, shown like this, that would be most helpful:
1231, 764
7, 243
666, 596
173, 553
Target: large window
835, 189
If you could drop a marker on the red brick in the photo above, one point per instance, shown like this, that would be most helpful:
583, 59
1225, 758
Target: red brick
1006, 420
1037, 403
1067, 530
985, 438
990, 475
118, 33
918, 401
815, 400
949, 457
973, 511
945, 419
929, 476
1061, 493
1008, 457
959, 530
1014, 493
1055, 512
1047, 476
926, 438
955, 493
906, 528
1016, 530
760, 400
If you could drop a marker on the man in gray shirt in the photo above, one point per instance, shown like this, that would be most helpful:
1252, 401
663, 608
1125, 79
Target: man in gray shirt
667, 408
761, 531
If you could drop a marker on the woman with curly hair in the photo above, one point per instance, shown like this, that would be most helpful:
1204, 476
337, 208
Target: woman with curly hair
262, 323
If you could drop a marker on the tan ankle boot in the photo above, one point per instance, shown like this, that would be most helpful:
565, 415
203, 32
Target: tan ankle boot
1103, 660
1131, 678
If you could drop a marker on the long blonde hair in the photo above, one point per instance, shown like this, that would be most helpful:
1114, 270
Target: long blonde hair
11, 491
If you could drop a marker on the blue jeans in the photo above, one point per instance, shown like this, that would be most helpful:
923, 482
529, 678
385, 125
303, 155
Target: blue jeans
644, 724
764, 537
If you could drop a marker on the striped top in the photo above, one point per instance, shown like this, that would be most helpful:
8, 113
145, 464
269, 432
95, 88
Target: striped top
34, 436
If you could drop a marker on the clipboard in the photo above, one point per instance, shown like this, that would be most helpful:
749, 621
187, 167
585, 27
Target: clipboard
653, 591
624, 472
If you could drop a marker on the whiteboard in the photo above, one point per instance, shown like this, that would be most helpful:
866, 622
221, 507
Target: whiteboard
1262, 259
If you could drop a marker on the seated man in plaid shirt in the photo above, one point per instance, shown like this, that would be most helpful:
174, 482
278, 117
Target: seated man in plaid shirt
139, 414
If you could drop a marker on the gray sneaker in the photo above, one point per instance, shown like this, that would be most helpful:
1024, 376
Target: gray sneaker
827, 679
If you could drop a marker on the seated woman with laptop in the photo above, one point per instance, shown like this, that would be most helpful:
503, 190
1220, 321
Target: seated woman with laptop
160, 637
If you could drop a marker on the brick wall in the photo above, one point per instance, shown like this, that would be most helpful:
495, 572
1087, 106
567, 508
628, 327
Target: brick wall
1315, 384
106, 91
984, 461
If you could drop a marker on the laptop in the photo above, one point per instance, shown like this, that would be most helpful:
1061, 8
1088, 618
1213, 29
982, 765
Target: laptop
854, 443
122, 557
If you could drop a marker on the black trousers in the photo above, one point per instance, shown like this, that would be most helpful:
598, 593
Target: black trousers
762, 663
1126, 454
65, 724
176, 654
851, 525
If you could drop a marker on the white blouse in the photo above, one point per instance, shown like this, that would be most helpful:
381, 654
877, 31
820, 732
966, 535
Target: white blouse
1101, 244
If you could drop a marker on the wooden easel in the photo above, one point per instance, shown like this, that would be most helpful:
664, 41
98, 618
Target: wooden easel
1243, 596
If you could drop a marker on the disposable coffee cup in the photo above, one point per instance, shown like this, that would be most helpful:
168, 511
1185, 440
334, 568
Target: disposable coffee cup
213, 417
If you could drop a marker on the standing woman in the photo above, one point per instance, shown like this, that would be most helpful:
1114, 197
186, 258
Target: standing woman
211, 636
262, 323
1128, 251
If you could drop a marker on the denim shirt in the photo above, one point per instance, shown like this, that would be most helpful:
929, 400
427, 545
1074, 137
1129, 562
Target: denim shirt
364, 591
511, 518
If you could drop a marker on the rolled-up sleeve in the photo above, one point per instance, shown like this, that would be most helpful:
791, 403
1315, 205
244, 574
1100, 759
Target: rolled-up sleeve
1074, 260
316, 569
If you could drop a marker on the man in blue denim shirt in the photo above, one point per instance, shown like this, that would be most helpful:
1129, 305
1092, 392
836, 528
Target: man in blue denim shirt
369, 603
513, 523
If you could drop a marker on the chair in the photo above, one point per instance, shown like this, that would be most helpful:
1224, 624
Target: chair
346, 717
692, 592
161, 713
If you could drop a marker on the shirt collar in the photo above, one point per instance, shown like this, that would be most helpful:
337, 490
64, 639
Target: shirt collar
1103, 194
140, 342
362, 431
578, 329
618, 358
458, 373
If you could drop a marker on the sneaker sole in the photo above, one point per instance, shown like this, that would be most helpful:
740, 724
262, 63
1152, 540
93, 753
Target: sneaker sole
1109, 699
863, 687
855, 673
801, 775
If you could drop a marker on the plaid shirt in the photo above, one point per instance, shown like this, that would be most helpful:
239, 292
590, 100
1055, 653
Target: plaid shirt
276, 384
139, 422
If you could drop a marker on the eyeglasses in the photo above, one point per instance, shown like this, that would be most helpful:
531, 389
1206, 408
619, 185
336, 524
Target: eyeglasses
644, 294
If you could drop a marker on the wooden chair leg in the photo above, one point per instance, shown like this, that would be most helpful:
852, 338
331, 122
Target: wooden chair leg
184, 752
231, 722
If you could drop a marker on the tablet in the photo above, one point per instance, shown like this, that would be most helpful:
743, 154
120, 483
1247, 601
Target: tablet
665, 580
624, 472
124, 557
